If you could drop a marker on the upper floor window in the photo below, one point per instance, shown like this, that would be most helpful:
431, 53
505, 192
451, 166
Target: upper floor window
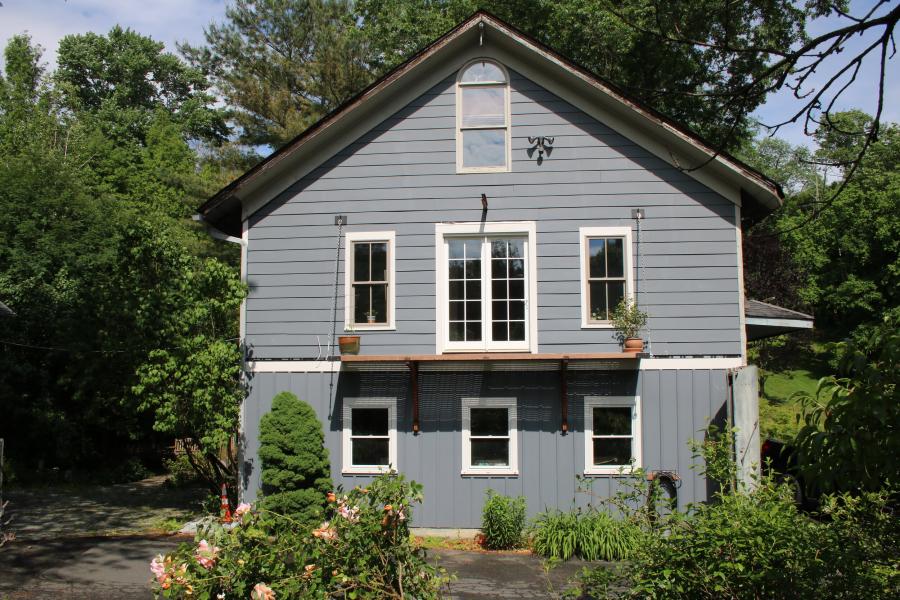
482, 117
605, 272
369, 280
486, 287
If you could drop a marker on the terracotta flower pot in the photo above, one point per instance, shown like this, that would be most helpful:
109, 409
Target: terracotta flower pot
349, 344
633, 345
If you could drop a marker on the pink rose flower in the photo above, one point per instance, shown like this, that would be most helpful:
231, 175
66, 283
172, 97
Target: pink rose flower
262, 592
325, 532
242, 509
351, 514
206, 554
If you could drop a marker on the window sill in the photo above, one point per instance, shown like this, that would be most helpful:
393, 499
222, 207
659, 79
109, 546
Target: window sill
473, 472
374, 470
367, 327
624, 470
461, 170
596, 325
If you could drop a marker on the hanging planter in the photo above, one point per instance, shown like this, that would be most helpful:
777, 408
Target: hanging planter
349, 344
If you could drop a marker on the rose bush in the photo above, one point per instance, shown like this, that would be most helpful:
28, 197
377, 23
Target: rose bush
362, 550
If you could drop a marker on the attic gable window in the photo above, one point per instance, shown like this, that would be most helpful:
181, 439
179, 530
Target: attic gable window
482, 117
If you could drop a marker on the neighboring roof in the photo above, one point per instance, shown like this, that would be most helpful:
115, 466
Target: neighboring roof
767, 320
5, 311
276, 172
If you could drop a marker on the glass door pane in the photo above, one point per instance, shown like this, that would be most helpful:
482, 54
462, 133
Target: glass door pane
464, 289
508, 289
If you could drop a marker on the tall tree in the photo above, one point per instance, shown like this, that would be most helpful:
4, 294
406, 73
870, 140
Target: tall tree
282, 64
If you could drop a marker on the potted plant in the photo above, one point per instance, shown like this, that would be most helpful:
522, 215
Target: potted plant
628, 320
349, 344
370, 317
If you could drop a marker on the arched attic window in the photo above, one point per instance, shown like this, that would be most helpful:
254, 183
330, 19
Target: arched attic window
482, 118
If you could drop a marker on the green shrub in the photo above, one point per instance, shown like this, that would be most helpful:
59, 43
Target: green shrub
295, 468
591, 535
179, 470
502, 521
363, 550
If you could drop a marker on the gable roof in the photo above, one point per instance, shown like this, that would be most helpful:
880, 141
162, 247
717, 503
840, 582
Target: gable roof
485, 34
767, 320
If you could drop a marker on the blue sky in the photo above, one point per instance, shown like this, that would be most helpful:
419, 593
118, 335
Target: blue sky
171, 21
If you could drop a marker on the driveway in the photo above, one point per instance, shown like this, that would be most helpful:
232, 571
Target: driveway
107, 568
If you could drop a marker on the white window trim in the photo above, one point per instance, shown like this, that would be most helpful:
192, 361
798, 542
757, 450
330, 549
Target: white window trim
592, 232
370, 236
590, 402
459, 157
512, 415
346, 442
527, 229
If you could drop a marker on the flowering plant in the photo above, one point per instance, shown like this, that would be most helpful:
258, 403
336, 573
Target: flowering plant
363, 550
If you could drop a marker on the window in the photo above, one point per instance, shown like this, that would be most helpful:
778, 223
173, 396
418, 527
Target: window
370, 435
489, 445
369, 280
606, 274
482, 107
486, 287
612, 432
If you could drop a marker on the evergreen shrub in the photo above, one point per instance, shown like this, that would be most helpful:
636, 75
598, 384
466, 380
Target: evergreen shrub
502, 521
295, 468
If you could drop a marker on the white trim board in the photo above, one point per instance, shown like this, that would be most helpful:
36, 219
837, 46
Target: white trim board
294, 366
644, 364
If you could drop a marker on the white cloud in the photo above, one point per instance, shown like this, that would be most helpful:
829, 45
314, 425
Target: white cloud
47, 21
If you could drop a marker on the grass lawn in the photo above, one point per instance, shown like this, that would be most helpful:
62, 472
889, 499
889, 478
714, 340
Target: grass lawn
799, 371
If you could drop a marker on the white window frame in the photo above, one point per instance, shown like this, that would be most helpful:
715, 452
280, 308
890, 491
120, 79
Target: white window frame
585, 233
347, 442
591, 402
459, 128
512, 426
350, 238
443, 231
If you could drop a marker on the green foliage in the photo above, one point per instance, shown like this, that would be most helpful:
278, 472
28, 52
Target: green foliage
628, 319
502, 521
363, 550
180, 471
849, 439
590, 535
295, 468
119, 313
282, 64
750, 544
625, 42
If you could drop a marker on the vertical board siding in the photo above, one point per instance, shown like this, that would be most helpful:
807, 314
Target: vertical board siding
676, 407
401, 176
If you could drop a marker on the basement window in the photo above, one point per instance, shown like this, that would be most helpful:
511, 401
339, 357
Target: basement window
612, 434
490, 437
369, 435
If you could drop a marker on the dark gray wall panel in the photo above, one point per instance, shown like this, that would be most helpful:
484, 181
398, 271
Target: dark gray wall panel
401, 176
676, 406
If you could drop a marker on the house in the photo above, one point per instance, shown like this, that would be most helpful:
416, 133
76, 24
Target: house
473, 216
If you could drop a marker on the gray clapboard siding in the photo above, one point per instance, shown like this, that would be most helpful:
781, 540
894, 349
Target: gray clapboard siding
400, 176
676, 407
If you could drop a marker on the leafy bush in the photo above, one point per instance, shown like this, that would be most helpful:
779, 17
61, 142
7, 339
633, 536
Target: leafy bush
180, 472
755, 544
502, 521
295, 468
591, 535
363, 550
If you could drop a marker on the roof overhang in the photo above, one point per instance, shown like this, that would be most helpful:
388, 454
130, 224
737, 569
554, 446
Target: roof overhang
484, 35
765, 320
6, 311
